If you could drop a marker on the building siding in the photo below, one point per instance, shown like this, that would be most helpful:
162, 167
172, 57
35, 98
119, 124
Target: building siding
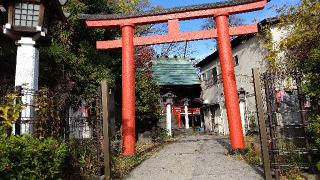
250, 55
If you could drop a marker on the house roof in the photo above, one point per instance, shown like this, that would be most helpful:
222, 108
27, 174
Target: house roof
237, 41
166, 11
234, 43
174, 72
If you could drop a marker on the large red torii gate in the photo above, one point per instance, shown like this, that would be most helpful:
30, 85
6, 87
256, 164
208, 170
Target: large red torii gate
220, 11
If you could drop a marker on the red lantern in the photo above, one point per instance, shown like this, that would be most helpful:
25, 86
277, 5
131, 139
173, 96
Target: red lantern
85, 111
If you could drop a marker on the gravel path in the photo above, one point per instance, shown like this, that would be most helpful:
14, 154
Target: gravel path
194, 157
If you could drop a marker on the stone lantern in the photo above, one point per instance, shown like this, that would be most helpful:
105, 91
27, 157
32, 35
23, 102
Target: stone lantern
25, 16
242, 105
186, 112
242, 94
27, 21
169, 97
30, 18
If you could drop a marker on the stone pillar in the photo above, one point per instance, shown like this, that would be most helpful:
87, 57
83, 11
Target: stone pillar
169, 120
242, 114
202, 125
169, 102
27, 74
242, 106
186, 115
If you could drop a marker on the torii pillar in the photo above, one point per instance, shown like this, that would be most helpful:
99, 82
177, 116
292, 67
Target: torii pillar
229, 81
220, 11
128, 90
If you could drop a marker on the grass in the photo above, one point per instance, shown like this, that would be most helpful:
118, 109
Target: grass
250, 154
292, 174
253, 157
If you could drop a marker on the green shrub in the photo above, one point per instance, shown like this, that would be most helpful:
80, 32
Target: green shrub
314, 128
160, 135
26, 157
252, 155
10, 109
86, 156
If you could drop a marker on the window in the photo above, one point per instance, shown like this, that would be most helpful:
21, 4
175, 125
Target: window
214, 75
204, 76
209, 74
26, 14
236, 60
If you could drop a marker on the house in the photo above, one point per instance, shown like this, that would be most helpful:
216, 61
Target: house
248, 52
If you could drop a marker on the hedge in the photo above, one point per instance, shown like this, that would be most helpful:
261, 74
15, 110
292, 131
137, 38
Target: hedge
26, 157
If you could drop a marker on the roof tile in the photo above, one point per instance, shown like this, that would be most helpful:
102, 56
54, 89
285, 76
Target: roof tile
174, 72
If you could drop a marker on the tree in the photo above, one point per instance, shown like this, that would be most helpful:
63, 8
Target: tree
148, 107
144, 55
184, 49
234, 20
7, 57
71, 67
300, 50
180, 49
147, 92
129, 6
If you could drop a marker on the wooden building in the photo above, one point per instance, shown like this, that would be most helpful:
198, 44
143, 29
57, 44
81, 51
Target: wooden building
179, 77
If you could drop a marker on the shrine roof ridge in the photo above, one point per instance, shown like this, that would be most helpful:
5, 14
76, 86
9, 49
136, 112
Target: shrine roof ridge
167, 11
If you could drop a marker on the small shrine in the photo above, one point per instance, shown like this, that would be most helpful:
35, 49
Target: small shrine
180, 91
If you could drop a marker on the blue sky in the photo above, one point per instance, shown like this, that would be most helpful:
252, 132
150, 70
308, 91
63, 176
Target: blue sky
204, 48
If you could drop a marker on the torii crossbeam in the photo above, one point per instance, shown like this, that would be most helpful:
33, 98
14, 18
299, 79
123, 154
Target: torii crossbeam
220, 11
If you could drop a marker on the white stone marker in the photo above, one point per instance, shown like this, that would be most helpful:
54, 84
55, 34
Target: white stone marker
242, 105
186, 117
27, 74
168, 122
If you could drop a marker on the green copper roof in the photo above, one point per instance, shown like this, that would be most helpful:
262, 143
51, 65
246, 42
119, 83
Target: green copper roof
174, 72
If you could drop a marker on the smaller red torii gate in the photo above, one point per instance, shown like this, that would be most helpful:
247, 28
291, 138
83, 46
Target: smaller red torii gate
220, 11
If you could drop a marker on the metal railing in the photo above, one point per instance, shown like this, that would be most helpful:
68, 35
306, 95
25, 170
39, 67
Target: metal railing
283, 121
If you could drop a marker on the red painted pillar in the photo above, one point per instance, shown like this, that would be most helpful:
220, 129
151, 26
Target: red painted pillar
178, 116
229, 82
175, 114
179, 119
128, 90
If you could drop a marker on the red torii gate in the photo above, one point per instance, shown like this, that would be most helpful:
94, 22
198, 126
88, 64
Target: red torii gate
220, 11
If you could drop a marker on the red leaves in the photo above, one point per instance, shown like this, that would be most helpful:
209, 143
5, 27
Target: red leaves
144, 56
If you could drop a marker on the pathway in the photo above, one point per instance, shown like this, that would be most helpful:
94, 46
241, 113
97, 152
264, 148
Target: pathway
194, 157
